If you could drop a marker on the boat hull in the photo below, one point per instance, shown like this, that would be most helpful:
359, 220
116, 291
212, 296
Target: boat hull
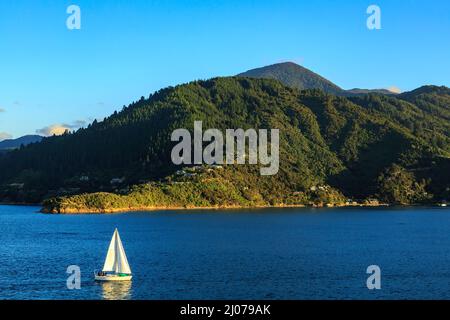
112, 277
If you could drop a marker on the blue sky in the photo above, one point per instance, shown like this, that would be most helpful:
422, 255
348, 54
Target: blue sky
51, 76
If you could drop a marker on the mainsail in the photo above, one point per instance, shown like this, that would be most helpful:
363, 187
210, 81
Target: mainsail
116, 260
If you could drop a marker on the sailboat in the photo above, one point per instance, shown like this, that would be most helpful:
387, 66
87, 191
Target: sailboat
116, 267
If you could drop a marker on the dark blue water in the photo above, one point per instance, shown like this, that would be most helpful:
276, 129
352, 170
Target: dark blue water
240, 254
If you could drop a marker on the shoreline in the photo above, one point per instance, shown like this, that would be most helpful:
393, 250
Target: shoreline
179, 208
44, 210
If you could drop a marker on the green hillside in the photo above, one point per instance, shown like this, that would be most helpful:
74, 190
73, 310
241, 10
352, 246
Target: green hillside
332, 148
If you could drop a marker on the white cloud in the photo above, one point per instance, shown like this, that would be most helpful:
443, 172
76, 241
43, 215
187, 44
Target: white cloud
54, 129
2, 110
4, 136
394, 89
59, 129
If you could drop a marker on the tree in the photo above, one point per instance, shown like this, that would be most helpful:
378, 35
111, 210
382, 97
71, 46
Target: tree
397, 185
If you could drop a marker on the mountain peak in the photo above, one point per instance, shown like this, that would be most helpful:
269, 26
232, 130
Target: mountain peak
293, 75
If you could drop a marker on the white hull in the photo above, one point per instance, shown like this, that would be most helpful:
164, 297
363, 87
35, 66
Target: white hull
112, 277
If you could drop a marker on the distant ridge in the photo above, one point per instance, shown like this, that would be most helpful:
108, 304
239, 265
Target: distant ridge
296, 76
428, 89
10, 144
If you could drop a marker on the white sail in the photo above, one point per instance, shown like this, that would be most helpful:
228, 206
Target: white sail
111, 255
116, 259
122, 265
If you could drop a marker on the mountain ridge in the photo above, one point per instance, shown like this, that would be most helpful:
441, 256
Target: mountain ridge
352, 146
9, 144
332, 147
296, 76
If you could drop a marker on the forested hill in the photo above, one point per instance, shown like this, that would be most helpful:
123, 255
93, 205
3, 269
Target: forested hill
393, 148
